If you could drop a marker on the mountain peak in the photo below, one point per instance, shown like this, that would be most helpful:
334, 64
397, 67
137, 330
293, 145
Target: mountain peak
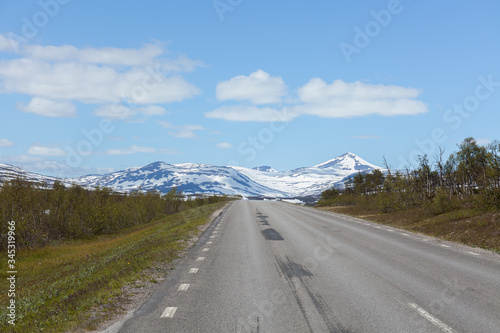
202, 178
264, 168
347, 161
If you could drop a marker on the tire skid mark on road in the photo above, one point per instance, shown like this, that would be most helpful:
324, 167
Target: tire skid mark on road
322, 317
318, 316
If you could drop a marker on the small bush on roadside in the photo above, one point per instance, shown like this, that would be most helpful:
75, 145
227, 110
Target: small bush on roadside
43, 215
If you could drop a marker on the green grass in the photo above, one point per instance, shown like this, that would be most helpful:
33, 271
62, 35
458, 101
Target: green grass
59, 286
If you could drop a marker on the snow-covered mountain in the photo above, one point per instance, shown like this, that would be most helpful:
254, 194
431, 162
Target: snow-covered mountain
191, 178
311, 180
264, 168
9, 172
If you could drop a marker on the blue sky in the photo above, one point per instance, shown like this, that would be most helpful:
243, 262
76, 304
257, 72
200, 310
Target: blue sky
99, 86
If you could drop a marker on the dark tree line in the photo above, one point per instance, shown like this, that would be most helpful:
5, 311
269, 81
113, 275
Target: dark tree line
44, 215
470, 175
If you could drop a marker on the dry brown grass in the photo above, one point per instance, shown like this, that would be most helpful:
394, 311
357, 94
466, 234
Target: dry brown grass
468, 226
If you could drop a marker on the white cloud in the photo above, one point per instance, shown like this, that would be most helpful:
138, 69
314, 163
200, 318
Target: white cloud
105, 170
187, 131
108, 75
120, 111
336, 100
8, 44
5, 143
183, 131
113, 111
48, 108
40, 150
250, 113
181, 64
135, 149
343, 100
224, 145
89, 83
366, 137
258, 88
167, 151
165, 124
106, 55
131, 150
152, 110
483, 141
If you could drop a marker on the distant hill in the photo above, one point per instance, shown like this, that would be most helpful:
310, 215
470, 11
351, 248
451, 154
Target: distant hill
8, 172
191, 178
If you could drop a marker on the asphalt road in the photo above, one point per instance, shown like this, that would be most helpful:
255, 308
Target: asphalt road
276, 267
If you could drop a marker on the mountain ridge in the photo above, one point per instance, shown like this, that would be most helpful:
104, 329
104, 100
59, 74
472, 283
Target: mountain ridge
194, 178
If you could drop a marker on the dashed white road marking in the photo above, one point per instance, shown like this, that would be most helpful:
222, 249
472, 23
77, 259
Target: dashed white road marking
209, 243
476, 254
444, 245
212, 236
378, 227
431, 318
404, 234
205, 249
215, 232
169, 312
193, 270
390, 230
183, 287
200, 259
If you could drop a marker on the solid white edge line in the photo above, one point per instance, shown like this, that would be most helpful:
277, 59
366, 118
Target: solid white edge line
169, 312
431, 318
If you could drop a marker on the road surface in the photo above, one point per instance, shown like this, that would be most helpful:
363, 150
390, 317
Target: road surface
275, 267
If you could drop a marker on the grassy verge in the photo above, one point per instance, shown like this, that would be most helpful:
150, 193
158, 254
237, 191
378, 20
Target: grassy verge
59, 286
466, 225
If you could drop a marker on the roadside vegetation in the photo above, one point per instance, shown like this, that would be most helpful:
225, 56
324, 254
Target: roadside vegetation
457, 199
43, 215
77, 249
